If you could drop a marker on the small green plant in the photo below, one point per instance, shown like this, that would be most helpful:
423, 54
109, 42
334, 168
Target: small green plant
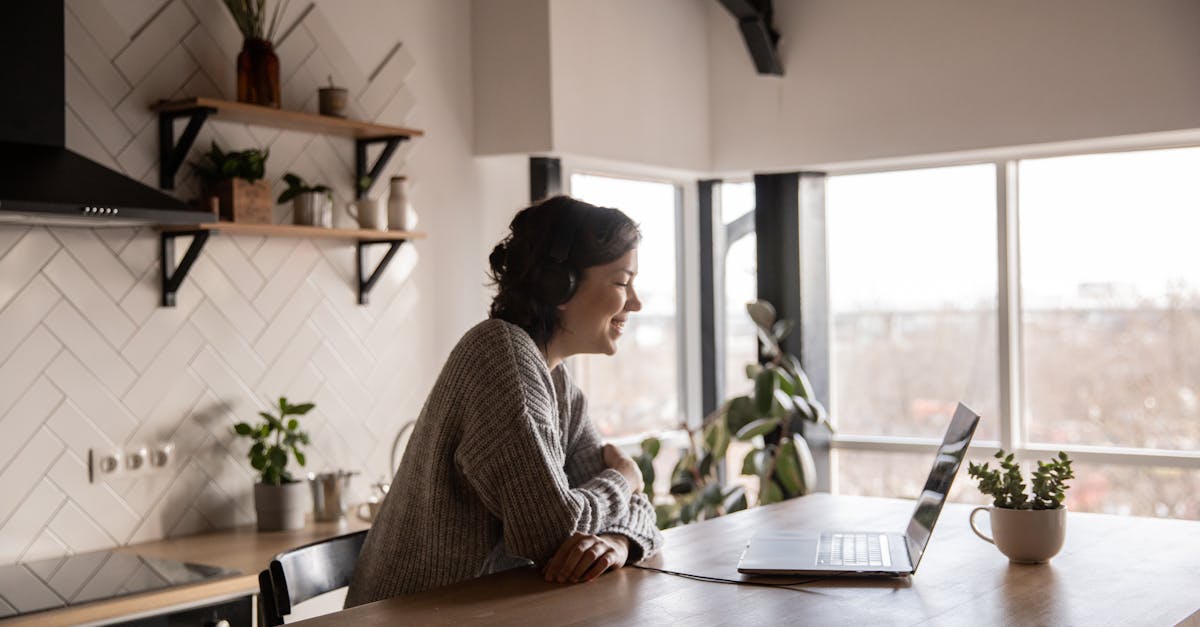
271, 457
770, 418
1006, 486
364, 183
297, 186
220, 165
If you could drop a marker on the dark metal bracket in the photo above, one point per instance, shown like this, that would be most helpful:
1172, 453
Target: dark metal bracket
364, 286
756, 21
172, 276
170, 153
361, 169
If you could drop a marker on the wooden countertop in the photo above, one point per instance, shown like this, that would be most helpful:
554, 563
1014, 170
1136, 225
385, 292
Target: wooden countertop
243, 549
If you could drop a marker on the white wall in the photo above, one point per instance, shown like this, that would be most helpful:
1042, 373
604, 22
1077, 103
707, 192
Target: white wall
510, 62
88, 359
630, 80
874, 78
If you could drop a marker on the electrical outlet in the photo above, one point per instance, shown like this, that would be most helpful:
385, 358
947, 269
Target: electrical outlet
133, 461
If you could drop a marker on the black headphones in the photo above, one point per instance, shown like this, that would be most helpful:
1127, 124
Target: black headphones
558, 279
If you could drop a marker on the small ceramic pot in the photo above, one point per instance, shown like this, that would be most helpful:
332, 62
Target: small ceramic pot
280, 507
1025, 536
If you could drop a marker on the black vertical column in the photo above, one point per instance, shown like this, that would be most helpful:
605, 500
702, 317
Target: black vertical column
710, 342
545, 178
777, 226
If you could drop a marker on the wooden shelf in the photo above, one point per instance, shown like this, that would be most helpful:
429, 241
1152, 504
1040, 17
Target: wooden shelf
294, 230
171, 153
172, 274
282, 118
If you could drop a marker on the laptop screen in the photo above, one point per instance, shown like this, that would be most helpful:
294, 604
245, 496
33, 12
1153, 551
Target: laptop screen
945, 466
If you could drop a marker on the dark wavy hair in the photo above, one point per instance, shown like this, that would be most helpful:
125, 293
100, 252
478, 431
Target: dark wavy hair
520, 263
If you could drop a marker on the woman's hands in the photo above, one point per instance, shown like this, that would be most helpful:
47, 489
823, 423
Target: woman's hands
583, 557
617, 460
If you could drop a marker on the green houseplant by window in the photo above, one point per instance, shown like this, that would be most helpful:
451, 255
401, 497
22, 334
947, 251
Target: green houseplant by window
771, 418
1028, 527
278, 497
234, 182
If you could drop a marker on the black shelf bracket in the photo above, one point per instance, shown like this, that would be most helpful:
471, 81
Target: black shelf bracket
172, 276
170, 153
361, 168
364, 286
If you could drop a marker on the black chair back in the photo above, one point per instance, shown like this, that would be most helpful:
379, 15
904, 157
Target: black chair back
302, 573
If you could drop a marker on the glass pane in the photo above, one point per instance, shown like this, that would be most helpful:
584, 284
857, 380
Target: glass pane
737, 199
637, 390
912, 281
1110, 287
901, 475
741, 287
1135, 490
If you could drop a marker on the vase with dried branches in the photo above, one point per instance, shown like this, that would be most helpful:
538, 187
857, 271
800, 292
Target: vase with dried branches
257, 63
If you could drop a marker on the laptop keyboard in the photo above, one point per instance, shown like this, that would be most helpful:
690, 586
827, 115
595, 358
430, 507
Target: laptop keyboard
853, 549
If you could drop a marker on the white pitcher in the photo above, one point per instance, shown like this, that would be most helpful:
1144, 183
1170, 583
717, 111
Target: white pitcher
401, 216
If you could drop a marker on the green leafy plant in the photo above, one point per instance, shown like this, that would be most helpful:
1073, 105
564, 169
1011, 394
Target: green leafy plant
770, 417
1006, 486
274, 438
297, 186
364, 183
219, 165
251, 17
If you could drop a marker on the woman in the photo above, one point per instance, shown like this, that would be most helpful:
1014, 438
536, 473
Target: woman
503, 466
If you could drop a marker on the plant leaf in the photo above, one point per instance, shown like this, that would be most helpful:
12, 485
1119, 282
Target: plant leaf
758, 427
739, 413
292, 424
243, 429
764, 390
651, 446
762, 313
750, 463
299, 456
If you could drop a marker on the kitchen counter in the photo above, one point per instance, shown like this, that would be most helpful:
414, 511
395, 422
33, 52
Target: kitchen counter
243, 549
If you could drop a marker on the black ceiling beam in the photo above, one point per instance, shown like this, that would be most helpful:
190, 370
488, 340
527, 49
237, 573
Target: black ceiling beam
754, 18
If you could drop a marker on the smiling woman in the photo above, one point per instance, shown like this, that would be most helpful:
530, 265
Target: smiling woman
504, 468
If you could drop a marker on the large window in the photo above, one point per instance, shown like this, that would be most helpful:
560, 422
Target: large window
1104, 317
638, 390
912, 285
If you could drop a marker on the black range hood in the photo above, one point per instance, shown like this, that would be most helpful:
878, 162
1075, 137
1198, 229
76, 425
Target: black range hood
41, 181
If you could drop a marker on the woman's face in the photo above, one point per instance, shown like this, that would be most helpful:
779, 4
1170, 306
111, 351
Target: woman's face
595, 316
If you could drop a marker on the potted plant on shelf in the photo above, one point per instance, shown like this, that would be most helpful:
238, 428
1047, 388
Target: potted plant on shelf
311, 204
278, 498
771, 418
234, 182
257, 63
1028, 528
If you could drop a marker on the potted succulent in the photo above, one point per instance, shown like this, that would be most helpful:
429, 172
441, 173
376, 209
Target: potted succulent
279, 499
1028, 528
771, 417
311, 204
235, 181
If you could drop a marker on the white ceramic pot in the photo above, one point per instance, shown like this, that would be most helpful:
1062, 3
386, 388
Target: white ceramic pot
1025, 536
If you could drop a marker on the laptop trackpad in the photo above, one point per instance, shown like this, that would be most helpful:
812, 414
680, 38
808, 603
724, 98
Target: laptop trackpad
771, 550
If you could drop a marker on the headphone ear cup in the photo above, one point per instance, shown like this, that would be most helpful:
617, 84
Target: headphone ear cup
558, 283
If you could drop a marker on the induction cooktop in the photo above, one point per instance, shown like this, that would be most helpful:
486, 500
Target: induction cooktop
49, 584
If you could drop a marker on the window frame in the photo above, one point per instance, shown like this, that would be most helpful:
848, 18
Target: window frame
686, 257
1009, 314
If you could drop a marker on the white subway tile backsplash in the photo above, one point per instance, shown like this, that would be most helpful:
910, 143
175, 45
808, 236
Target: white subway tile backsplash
26, 415
87, 392
23, 260
89, 359
25, 365
26, 471
85, 342
28, 521
88, 297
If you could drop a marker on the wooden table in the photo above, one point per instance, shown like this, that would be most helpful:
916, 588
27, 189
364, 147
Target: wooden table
243, 549
1113, 570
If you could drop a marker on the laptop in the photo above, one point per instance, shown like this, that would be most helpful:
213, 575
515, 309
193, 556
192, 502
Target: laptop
867, 553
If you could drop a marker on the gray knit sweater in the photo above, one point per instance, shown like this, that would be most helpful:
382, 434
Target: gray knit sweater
503, 464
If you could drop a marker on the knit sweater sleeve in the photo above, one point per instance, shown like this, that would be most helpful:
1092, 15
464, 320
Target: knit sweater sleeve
586, 459
511, 455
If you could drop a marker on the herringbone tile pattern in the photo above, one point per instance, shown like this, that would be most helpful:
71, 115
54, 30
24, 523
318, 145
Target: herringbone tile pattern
88, 359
